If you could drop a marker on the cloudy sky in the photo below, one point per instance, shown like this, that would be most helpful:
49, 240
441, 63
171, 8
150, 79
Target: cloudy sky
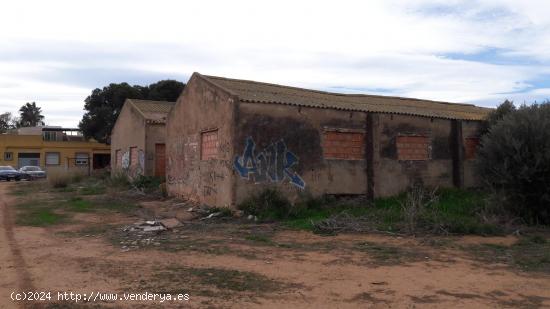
482, 52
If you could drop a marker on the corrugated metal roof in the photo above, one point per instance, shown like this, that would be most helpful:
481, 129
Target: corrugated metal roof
153, 111
257, 92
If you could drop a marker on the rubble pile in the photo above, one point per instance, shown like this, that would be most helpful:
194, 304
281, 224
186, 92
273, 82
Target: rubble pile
146, 233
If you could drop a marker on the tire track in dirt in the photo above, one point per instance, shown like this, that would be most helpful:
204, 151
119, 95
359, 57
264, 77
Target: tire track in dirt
24, 281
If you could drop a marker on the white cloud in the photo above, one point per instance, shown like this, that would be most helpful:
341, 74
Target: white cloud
55, 52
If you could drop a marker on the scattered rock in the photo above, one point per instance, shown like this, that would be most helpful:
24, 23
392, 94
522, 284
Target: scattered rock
212, 215
145, 226
154, 228
238, 213
170, 223
379, 282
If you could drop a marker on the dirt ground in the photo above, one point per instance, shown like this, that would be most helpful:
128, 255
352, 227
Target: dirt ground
248, 265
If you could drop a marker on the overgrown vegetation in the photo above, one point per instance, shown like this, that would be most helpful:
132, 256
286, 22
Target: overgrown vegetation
61, 179
514, 161
442, 211
146, 183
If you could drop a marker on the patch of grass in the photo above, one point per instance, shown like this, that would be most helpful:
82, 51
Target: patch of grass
39, 217
389, 255
92, 190
211, 281
259, 239
79, 205
528, 254
115, 204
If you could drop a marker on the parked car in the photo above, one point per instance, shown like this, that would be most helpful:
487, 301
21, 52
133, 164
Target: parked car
32, 172
8, 173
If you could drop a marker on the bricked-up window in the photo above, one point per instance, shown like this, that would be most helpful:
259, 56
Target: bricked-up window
470, 147
209, 145
118, 158
413, 148
133, 156
344, 145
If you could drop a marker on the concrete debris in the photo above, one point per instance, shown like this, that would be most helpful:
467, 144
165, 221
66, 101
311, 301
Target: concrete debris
145, 226
154, 228
239, 213
170, 223
153, 225
214, 214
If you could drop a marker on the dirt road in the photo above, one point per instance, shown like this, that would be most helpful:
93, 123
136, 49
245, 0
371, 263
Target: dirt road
220, 269
13, 268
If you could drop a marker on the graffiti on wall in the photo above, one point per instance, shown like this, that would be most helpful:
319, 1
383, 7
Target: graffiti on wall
131, 168
126, 160
141, 162
273, 164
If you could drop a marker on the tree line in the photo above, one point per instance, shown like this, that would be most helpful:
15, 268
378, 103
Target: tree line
30, 115
102, 107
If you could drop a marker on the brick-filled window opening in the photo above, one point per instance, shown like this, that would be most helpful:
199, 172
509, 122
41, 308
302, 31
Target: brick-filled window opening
470, 147
209, 145
413, 148
118, 158
344, 145
133, 156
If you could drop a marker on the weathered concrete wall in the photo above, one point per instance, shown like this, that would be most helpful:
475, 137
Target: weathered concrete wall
154, 134
285, 150
129, 131
393, 176
470, 129
200, 108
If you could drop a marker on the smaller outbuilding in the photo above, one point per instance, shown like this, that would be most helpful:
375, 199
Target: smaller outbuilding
138, 138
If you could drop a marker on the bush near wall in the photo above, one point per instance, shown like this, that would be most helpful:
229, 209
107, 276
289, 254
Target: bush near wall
514, 162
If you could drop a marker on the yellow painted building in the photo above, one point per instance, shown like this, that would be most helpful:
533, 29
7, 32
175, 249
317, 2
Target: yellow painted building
52, 148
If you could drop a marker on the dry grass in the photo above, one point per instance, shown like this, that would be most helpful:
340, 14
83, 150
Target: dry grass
61, 179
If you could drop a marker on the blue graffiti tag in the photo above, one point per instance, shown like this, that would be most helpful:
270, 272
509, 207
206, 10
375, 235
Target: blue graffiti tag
273, 164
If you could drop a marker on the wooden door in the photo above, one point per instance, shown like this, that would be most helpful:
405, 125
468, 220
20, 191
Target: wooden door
160, 160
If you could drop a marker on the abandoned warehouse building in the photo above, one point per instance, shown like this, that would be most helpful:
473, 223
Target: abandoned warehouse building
229, 138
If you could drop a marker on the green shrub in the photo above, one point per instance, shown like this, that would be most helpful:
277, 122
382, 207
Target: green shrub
497, 115
146, 183
120, 179
514, 161
268, 204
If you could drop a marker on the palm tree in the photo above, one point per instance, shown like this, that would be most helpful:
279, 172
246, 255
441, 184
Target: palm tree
31, 115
